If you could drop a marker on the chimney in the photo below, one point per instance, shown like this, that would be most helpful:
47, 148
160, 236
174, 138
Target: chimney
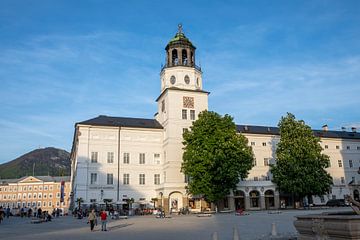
353, 129
325, 128
343, 129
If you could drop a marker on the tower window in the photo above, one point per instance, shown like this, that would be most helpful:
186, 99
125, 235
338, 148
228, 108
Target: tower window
184, 57
184, 114
172, 79
175, 59
187, 79
192, 114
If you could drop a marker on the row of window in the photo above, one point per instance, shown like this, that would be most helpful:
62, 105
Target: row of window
31, 204
185, 114
126, 179
254, 144
338, 147
340, 162
29, 195
126, 158
27, 188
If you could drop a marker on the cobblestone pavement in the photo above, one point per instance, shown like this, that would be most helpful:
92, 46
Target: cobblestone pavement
256, 225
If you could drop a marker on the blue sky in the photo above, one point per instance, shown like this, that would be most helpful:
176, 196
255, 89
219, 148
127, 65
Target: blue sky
62, 62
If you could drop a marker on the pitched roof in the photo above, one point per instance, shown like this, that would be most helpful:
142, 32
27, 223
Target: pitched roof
275, 131
42, 178
103, 120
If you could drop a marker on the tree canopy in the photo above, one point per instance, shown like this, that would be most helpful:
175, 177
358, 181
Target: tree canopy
215, 156
300, 165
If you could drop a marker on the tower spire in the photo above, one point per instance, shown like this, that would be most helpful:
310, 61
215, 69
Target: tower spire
180, 29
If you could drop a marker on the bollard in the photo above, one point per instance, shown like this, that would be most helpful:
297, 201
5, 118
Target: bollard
273, 229
235, 234
215, 236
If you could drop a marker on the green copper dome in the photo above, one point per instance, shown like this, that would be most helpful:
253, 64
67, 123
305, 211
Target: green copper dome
180, 38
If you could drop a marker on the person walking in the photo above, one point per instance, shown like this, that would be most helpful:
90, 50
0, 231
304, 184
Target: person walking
103, 216
8, 211
92, 219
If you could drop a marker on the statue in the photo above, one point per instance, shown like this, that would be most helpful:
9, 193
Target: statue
355, 205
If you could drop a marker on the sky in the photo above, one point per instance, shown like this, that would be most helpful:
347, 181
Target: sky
63, 62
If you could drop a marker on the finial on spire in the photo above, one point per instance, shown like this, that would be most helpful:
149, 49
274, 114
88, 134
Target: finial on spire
180, 30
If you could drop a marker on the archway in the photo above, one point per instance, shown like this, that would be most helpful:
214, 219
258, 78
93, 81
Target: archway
239, 199
175, 59
356, 195
175, 201
269, 199
254, 199
184, 57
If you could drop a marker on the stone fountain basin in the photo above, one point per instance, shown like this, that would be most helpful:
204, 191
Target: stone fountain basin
339, 225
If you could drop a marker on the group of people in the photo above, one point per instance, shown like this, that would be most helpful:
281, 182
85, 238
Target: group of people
4, 213
92, 219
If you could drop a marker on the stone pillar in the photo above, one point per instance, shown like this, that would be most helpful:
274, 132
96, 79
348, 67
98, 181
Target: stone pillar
166, 205
276, 201
188, 57
170, 57
179, 56
247, 202
262, 202
231, 203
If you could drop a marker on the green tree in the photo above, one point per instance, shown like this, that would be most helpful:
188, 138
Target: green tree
300, 166
215, 156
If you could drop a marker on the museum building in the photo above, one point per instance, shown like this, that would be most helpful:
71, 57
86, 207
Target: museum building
122, 159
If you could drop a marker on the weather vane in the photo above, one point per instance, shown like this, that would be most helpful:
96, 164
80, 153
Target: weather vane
180, 30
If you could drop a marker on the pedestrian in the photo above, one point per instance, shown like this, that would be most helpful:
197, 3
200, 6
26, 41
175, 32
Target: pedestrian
92, 219
103, 216
1, 214
8, 212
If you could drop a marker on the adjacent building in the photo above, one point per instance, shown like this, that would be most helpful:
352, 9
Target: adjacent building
43, 192
122, 159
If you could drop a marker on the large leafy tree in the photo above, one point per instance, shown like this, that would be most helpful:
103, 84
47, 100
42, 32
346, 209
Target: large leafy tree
300, 166
215, 156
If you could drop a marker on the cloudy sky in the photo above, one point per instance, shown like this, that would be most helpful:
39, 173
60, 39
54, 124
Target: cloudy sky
62, 62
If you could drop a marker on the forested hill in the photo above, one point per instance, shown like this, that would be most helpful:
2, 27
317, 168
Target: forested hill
45, 161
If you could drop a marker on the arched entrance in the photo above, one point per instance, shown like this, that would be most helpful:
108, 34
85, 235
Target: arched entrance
269, 199
239, 199
254, 199
356, 195
175, 201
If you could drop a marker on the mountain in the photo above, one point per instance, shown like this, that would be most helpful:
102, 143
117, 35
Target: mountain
45, 161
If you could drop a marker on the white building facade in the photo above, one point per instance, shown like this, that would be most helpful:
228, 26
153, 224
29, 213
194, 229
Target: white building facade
118, 158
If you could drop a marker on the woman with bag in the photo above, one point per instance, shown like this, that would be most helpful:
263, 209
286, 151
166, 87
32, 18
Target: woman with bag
92, 219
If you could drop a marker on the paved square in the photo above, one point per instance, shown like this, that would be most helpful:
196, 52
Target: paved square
256, 225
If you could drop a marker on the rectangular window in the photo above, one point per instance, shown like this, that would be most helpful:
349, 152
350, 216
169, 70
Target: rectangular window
142, 179
142, 158
256, 179
348, 147
126, 158
157, 158
326, 146
185, 130
58, 195
110, 157
184, 114
254, 162
252, 143
267, 178
94, 157
156, 179
350, 163
126, 178
342, 180
340, 163
93, 178
264, 144
110, 179
266, 162
192, 114
337, 147
358, 147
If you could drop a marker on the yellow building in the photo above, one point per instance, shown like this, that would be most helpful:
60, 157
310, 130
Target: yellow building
35, 192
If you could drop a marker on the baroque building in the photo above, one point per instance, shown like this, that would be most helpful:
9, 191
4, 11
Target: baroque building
122, 159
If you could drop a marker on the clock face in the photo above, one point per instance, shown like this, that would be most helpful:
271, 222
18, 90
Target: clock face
172, 79
188, 102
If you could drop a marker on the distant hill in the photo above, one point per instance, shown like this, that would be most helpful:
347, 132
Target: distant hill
48, 161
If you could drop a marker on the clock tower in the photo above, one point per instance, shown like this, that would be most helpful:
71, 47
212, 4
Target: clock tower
181, 99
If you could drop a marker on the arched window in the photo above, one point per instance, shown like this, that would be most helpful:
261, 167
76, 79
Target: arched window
184, 57
254, 199
269, 199
175, 59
